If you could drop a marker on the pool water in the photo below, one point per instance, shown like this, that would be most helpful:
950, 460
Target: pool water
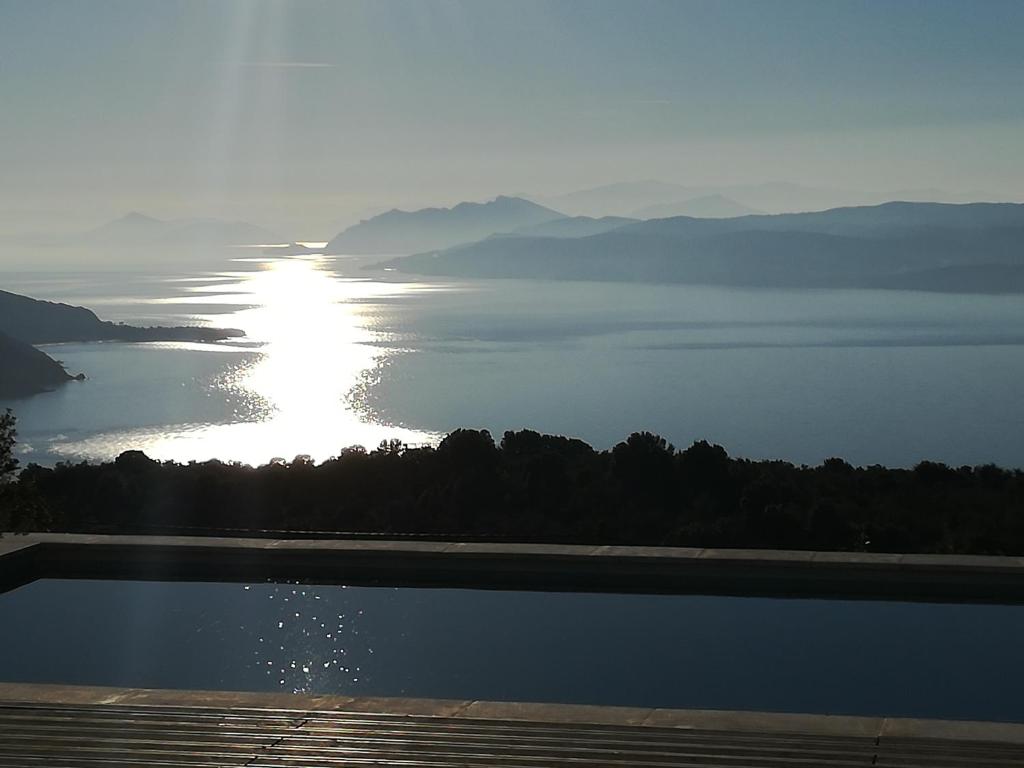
796, 655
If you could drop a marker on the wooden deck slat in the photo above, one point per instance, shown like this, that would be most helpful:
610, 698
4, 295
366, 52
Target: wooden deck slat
152, 736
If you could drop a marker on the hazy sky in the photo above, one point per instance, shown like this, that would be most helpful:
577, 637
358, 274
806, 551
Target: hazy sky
300, 115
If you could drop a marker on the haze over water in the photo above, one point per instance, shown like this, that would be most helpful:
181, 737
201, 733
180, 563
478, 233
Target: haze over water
336, 355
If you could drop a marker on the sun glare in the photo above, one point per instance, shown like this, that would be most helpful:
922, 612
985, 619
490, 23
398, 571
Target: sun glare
316, 344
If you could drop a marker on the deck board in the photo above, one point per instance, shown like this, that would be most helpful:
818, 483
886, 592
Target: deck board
122, 736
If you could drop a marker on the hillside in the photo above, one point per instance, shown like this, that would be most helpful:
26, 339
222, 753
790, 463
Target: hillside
897, 245
398, 232
868, 220
24, 370
575, 226
708, 207
45, 322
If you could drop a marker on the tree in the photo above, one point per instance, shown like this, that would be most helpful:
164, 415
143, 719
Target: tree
8, 435
8, 464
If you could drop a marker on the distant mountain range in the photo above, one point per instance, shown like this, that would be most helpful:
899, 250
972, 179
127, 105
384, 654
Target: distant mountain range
708, 207
927, 246
137, 229
655, 199
397, 232
575, 226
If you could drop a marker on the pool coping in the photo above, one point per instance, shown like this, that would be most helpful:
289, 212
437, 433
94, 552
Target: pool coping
871, 728
856, 575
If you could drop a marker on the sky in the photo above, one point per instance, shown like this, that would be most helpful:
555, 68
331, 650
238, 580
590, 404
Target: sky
305, 115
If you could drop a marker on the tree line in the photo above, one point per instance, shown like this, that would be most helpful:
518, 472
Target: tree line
533, 487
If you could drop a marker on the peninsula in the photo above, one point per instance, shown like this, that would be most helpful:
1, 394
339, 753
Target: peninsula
25, 370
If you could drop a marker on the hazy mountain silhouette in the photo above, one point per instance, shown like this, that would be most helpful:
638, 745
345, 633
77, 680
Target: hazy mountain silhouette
291, 249
24, 370
898, 245
575, 226
936, 195
409, 231
708, 207
873, 220
137, 229
619, 199
632, 197
44, 322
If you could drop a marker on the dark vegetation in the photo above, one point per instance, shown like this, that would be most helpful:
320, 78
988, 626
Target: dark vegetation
534, 487
21, 508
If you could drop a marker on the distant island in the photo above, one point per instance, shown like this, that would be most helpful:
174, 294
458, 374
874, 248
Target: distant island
137, 229
397, 232
291, 249
24, 322
915, 246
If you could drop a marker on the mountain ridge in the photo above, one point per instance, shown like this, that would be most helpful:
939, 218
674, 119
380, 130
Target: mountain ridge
861, 246
714, 206
398, 231
627, 198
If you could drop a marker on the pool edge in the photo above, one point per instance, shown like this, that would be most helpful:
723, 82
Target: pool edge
547, 567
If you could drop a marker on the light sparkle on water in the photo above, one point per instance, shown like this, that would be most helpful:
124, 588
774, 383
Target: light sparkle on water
317, 345
303, 661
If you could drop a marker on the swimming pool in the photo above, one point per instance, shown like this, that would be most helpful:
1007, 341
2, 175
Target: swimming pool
956, 661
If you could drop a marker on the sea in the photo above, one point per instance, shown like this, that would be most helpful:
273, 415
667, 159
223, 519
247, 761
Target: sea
339, 352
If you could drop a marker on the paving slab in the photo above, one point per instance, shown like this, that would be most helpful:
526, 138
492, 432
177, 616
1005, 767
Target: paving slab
534, 550
37, 693
759, 555
11, 543
766, 722
911, 728
881, 559
555, 713
968, 562
402, 706
668, 553
231, 700
360, 545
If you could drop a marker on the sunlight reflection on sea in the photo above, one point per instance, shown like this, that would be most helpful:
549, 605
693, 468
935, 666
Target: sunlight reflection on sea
316, 343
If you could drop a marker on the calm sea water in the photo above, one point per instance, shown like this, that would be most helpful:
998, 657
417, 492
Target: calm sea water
337, 355
823, 656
